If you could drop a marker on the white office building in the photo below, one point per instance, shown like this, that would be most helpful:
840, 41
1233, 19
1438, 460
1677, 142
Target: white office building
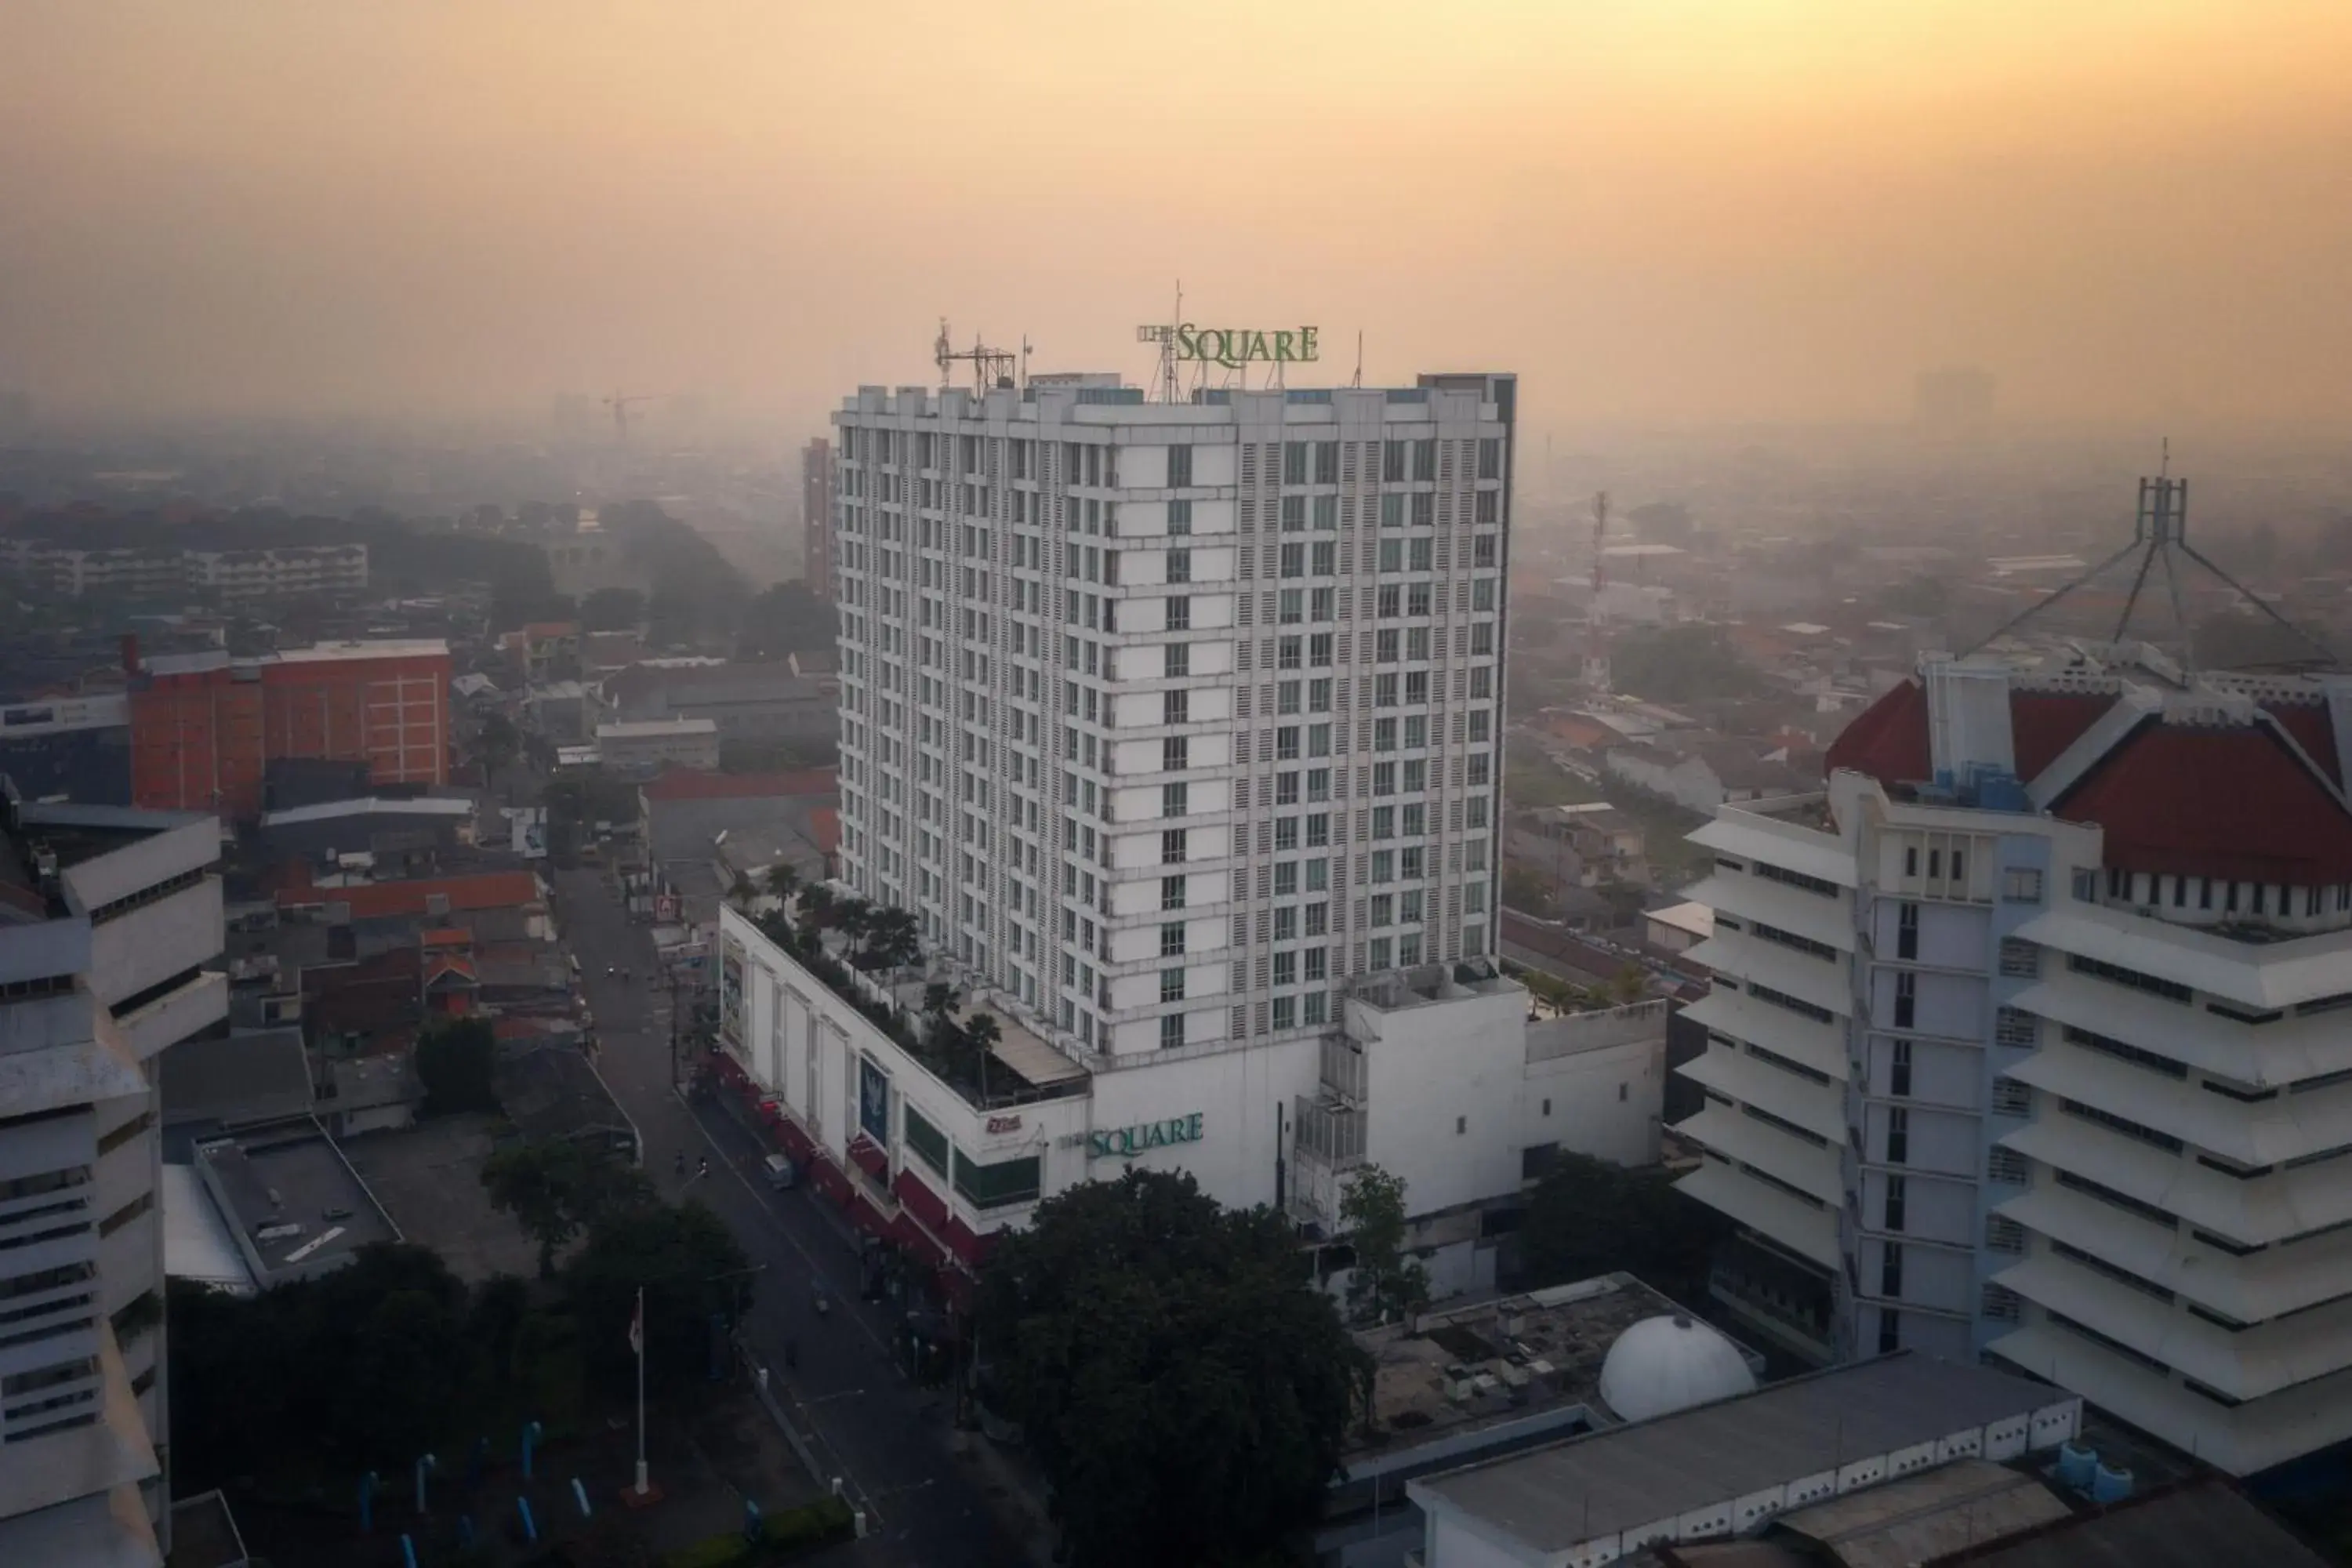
110, 934
2026, 1039
1166, 719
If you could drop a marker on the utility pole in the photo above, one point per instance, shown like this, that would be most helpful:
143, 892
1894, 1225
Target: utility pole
673, 1026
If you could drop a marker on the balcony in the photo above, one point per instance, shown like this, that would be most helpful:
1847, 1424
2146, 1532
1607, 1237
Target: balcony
175, 1015
149, 944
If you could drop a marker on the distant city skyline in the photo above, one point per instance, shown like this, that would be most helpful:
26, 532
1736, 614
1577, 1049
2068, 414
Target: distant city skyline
1704, 210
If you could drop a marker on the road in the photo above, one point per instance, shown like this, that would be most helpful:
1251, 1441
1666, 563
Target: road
887, 1438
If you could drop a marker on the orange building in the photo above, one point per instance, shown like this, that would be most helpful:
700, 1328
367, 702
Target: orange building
205, 726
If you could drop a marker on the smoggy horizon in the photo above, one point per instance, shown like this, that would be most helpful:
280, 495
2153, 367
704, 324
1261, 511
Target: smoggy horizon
1683, 211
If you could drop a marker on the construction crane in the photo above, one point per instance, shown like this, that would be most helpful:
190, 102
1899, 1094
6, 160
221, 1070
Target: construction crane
1596, 623
619, 405
991, 367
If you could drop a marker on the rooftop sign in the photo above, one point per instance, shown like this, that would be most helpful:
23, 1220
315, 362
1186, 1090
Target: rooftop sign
1233, 347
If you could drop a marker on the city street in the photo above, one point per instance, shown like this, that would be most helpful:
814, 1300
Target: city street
885, 1437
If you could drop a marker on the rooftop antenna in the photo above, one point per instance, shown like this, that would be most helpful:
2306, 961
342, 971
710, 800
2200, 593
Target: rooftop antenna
991, 368
1163, 379
2160, 532
1359, 380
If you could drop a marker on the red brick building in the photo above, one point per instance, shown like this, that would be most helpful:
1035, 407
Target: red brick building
205, 726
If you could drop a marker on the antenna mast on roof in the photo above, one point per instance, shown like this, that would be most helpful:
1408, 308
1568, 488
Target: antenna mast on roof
1596, 625
2159, 533
989, 367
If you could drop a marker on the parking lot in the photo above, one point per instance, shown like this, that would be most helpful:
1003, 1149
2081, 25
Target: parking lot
429, 1179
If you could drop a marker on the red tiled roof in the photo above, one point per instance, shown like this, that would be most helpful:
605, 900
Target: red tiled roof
693, 784
2230, 802
1887, 740
2309, 724
376, 901
2043, 723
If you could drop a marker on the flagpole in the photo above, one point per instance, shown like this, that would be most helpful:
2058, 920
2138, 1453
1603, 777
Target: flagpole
642, 1487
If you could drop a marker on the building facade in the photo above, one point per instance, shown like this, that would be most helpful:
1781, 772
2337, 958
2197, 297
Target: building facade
1435, 1075
2017, 1045
204, 727
1168, 719
818, 494
77, 747
279, 572
111, 936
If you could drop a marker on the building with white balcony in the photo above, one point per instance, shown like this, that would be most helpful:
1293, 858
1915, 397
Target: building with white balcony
1168, 719
1437, 1075
2021, 1043
278, 572
110, 934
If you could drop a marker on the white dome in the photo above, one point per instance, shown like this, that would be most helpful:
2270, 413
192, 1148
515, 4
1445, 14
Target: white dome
1668, 1364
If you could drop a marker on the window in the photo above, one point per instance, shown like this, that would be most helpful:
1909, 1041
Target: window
1172, 847
1391, 602
1285, 1008
1293, 561
1890, 1268
996, 1185
1383, 867
1391, 462
1898, 1070
1384, 690
1172, 985
1326, 560
1906, 931
1294, 462
1318, 829
1319, 604
1176, 706
1890, 1330
1171, 892
2015, 1026
1180, 566
1179, 614
1285, 879
1319, 695
1416, 601
1179, 517
1285, 743
1285, 792
1172, 939
2019, 959
1490, 458
1180, 466
1482, 552
1393, 510
928, 1143
1293, 608
1175, 753
1285, 926
1286, 969
1318, 922
1893, 1211
1906, 1001
1326, 462
1425, 458
1391, 556
1175, 799
2020, 885
1172, 1031
1898, 1136
1385, 646
1419, 556
1319, 649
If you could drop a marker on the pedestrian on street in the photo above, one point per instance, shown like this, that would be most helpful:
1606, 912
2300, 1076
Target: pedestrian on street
681, 1162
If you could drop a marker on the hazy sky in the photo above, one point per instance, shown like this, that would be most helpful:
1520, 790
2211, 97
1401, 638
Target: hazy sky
1654, 209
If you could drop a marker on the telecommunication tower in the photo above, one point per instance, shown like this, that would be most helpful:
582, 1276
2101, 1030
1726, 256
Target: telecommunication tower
1164, 379
1596, 620
991, 368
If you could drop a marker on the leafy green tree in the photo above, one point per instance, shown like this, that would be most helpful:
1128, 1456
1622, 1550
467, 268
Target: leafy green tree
1587, 1217
498, 742
691, 1270
455, 1061
1184, 1387
893, 937
742, 892
1681, 664
784, 620
612, 610
1386, 1285
559, 1187
781, 881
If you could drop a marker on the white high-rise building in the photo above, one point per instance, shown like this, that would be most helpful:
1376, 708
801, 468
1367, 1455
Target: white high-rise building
1167, 718
111, 931
2029, 1040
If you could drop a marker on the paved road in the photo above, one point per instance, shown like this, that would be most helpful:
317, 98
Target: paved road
883, 1435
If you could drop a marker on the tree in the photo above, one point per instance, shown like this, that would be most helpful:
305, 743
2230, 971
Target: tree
742, 892
559, 1187
781, 882
892, 939
1184, 1387
1386, 1284
1587, 1217
691, 1270
612, 610
1523, 890
1681, 664
784, 620
499, 743
454, 1062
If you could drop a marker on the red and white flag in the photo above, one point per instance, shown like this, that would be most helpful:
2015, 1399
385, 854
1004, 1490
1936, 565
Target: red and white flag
637, 1325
